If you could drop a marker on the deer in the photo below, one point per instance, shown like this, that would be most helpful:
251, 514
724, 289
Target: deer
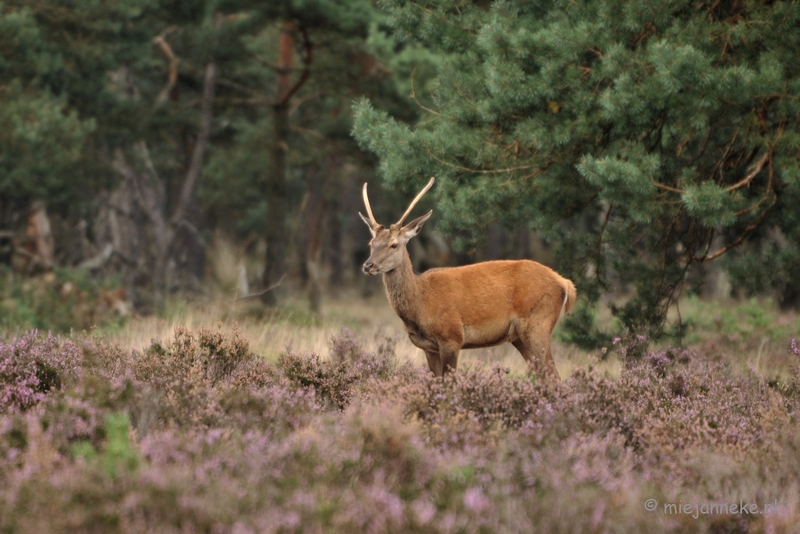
445, 310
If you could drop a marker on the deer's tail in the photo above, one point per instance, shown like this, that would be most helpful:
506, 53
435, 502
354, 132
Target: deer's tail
570, 294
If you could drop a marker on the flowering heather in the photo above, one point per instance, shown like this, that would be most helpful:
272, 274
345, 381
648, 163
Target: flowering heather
32, 365
199, 434
335, 381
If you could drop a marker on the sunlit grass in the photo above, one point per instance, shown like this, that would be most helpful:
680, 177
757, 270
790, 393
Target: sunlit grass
752, 334
271, 333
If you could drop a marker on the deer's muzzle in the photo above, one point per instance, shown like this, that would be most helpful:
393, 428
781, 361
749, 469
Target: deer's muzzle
369, 268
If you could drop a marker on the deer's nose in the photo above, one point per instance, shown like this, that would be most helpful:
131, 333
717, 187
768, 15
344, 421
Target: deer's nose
368, 266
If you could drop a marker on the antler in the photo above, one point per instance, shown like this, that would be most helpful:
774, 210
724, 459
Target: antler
413, 202
369, 209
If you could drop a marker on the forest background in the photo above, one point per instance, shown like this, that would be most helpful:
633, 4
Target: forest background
183, 148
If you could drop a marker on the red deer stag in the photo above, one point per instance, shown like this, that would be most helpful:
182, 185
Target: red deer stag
481, 305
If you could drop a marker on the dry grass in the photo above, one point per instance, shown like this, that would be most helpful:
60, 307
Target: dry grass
753, 335
270, 335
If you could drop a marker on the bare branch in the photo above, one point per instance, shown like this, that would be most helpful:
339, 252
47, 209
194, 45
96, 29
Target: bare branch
480, 171
193, 174
257, 295
414, 95
307, 131
738, 241
264, 62
172, 77
307, 58
97, 261
11, 234
668, 188
754, 170
300, 101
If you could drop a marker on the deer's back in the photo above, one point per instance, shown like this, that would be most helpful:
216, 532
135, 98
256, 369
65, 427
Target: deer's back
492, 291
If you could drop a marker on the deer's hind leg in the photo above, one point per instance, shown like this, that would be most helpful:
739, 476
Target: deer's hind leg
534, 345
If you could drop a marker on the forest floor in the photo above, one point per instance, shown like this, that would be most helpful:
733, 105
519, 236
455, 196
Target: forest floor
219, 417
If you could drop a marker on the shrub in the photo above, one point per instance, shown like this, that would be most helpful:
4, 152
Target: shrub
199, 434
61, 301
32, 365
335, 380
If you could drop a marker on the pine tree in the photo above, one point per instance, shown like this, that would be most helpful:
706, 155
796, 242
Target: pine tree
287, 135
630, 133
55, 60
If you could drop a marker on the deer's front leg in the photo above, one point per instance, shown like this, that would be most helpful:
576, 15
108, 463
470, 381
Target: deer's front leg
434, 362
448, 356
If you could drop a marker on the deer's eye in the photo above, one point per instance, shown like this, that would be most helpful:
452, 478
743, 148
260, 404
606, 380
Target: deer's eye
393, 245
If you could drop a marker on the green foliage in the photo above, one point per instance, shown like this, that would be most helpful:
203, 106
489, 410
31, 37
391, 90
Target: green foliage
352, 55
580, 328
119, 455
39, 142
55, 97
631, 134
64, 300
747, 323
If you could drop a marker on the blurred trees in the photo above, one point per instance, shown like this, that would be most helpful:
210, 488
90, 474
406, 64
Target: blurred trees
640, 139
643, 138
145, 125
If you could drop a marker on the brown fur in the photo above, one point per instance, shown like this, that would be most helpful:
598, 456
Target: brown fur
481, 305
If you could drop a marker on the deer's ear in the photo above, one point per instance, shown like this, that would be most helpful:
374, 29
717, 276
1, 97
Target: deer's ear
413, 228
373, 228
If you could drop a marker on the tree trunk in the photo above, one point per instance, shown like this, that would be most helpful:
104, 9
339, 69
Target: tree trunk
41, 237
276, 190
313, 216
334, 246
180, 223
142, 191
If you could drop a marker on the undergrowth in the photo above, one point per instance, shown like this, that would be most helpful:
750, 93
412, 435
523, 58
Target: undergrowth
199, 434
60, 301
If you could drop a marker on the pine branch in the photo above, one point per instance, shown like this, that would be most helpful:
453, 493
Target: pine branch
414, 95
480, 171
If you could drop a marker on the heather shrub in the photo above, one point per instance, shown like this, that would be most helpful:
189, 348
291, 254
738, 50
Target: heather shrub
199, 434
32, 365
670, 400
183, 378
80, 413
791, 388
471, 406
590, 481
209, 356
332, 381
13, 441
346, 348
336, 380
20, 383
632, 345
277, 409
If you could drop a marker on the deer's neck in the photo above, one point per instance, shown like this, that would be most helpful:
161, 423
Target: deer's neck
403, 290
